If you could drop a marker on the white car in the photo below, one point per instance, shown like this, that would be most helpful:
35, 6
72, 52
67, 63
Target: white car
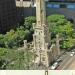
59, 60
54, 66
72, 53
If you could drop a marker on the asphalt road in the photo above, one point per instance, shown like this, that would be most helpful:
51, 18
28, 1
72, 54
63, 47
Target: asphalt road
72, 66
68, 62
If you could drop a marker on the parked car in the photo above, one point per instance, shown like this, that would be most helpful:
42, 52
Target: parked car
59, 60
72, 53
54, 66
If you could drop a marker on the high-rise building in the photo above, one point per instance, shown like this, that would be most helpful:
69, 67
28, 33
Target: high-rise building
8, 15
23, 6
65, 7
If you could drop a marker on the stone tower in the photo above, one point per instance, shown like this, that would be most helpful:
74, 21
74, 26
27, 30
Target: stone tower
41, 35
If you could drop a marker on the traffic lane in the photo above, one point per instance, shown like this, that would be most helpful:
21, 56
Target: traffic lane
66, 61
70, 65
65, 58
62, 58
62, 64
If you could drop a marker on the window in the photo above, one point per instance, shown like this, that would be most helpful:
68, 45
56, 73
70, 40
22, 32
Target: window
62, 5
56, 6
71, 6
53, 6
43, 58
49, 5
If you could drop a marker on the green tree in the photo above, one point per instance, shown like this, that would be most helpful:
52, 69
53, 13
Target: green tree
28, 27
28, 22
20, 60
14, 38
2, 40
3, 61
15, 59
10, 57
58, 24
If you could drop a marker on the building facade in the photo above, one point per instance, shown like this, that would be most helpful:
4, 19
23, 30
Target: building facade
41, 33
45, 51
65, 7
8, 15
24, 3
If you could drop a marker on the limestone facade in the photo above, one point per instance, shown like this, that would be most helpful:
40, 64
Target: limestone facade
46, 53
41, 34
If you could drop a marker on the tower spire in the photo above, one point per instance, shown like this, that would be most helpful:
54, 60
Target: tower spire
40, 12
41, 34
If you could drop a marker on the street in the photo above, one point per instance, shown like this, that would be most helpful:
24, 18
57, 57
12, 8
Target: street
68, 62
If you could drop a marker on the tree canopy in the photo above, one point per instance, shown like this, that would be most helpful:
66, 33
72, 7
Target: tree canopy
58, 24
12, 58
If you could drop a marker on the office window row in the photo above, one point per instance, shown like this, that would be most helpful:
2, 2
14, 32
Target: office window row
70, 6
